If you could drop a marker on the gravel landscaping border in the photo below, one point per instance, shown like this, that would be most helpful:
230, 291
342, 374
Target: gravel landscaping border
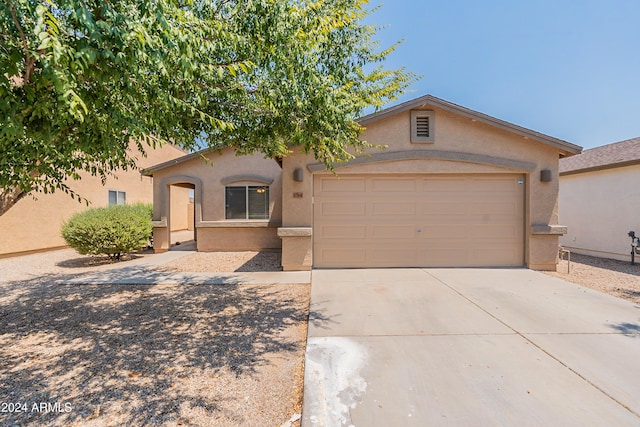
613, 277
226, 262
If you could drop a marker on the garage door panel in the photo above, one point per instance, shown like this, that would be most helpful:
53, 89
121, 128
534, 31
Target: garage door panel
394, 232
343, 209
386, 208
346, 232
347, 257
392, 185
444, 207
444, 257
493, 187
490, 256
444, 231
495, 235
497, 206
330, 184
445, 184
398, 257
419, 220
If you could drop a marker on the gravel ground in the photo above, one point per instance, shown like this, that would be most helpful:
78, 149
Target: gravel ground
169, 355
613, 277
198, 262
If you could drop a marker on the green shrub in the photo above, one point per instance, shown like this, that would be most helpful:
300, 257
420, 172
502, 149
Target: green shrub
145, 209
112, 231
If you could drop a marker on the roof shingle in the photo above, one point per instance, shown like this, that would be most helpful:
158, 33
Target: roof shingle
618, 154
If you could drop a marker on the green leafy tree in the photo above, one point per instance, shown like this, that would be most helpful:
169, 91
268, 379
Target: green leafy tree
80, 79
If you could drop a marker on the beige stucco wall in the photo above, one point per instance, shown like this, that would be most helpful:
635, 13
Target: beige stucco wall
209, 179
191, 216
34, 222
179, 207
600, 208
219, 239
453, 133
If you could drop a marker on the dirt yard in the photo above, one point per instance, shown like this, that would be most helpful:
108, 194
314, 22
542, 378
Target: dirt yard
617, 278
167, 355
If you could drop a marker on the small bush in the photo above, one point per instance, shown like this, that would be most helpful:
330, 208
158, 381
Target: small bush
145, 209
112, 231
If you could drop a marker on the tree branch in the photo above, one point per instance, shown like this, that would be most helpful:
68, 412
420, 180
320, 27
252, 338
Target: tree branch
29, 60
220, 6
9, 198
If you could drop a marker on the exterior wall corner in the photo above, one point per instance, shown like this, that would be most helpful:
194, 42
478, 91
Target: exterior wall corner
296, 253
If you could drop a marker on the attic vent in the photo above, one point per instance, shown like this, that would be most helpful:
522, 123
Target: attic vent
422, 126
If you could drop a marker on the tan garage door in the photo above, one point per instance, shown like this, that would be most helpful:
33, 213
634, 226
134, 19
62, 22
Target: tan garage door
473, 220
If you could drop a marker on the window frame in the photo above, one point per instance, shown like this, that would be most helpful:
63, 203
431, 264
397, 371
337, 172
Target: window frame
118, 194
247, 208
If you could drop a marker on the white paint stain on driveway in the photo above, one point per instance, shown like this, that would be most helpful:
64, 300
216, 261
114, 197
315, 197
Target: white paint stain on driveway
333, 383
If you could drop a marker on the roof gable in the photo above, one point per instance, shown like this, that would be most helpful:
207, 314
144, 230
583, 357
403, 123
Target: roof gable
565, 147
618, 154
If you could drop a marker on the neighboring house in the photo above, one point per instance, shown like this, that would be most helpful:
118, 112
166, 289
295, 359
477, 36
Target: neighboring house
34, 223
600, 199
453, 188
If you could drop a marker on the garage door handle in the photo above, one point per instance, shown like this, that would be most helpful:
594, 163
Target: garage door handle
419, 231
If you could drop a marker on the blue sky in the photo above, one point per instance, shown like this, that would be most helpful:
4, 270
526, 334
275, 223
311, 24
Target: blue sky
566, 68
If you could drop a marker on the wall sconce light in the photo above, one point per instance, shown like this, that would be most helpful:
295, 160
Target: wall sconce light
545, 175
298, 175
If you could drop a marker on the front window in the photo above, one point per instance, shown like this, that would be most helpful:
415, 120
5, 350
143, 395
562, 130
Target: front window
247, 202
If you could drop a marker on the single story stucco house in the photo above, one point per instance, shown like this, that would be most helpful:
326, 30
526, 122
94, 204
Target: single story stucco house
600, 199
453, 188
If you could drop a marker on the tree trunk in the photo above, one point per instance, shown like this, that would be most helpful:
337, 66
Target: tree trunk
9, 197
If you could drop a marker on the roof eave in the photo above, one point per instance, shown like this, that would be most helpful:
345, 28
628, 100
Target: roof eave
601, 167
150, 171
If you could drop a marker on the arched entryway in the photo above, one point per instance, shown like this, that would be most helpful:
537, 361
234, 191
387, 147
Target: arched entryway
179, 212
181, 218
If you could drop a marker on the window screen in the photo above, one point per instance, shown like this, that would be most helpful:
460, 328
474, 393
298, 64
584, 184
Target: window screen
236, 203
258, 202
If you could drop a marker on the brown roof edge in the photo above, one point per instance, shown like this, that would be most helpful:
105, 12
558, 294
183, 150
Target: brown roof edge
565, 147
615, 155
152, 169
149, 171
600, 167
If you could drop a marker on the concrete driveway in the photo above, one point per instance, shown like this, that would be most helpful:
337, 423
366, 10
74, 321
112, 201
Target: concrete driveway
468, 347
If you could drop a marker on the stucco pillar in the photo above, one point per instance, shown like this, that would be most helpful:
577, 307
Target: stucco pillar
296, 248
160, 239
297, 202
543, 244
